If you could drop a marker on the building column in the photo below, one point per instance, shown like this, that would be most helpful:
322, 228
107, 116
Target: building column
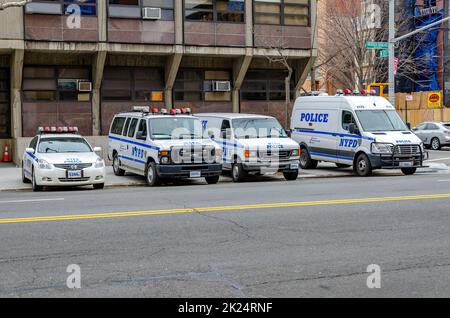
16, 97
302, 69
98, 67
102, 17
248, 23
240, 68
172, 65
179, 18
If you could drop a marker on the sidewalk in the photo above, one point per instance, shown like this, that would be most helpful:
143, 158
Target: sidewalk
11, 180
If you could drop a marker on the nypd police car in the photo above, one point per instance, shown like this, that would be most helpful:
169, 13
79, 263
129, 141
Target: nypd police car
161, 144
59, 156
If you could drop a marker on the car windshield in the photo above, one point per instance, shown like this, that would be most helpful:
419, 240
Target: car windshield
64, 145
175, 128
381, 120
251, 128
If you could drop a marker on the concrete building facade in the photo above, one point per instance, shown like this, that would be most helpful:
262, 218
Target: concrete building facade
58, 67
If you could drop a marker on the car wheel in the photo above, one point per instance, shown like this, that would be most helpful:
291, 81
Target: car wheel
409, 171
36, 188
435, 144
306, 162
291, 175
212, 180
342, 166
151, 175
238, 172
363, 167
24, 179
99, 186
116, 166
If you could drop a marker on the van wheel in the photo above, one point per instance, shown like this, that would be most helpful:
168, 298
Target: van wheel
435, 144
306, 162
116, 166
291, 175
342, 166
238, 172
151, 175
409, 171
212, 180
363, 167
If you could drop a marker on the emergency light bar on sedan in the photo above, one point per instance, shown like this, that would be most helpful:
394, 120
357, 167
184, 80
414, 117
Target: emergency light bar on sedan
57, 130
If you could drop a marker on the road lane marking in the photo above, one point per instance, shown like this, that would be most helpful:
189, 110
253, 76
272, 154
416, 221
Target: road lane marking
110, 215
32, 200
444, 180
440, 159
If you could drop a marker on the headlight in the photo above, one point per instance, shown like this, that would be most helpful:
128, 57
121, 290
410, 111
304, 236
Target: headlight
381, 148
100, 163
295, 153
44, 164
219, 152
164, 160
251, 154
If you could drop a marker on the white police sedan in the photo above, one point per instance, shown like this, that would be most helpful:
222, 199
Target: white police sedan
59, 156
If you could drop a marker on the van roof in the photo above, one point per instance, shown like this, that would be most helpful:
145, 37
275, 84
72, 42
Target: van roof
150, 115
355, 102
232, 115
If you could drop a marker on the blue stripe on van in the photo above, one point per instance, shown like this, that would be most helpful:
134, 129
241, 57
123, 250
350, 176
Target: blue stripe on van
132, 159
331, 134
330, 156
134, 143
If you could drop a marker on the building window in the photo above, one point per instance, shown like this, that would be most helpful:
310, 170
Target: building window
133, 84
133, 9
198, 85
215, 10
282, 12
54, 83
59, 7
265, 85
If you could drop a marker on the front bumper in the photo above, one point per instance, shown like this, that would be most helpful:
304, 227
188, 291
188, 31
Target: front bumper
281, 165
184, 171
58, 177
398, 161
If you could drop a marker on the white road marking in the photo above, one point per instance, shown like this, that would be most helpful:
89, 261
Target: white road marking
440, 159
32, 200
444, 180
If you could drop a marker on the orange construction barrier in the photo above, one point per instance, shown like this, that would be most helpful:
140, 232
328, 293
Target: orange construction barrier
6, 154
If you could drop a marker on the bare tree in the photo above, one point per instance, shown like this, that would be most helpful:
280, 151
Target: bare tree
5, 4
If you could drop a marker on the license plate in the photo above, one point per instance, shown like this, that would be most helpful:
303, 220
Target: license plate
406, 164
74, 174
294, 166
196, 174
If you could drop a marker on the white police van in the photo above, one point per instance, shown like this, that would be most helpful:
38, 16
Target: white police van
163, 145
252, 144
364, 132
58, 156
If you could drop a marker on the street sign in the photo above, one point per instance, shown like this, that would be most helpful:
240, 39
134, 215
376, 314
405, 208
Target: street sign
377, 45
384, 53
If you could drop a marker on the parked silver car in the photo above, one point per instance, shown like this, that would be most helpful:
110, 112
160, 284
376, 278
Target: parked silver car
434, 135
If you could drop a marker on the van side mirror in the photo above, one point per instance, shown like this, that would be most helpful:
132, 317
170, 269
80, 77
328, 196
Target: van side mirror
408, 125
226, 134
353, 129
140, 135
289, 133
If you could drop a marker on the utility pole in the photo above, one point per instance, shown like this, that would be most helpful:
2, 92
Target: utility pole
393, 40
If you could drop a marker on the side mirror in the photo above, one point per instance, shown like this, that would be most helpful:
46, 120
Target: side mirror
353, 129
211, 135
140, 135
225, 134
289, 133
29, 150
97, 149
408, 125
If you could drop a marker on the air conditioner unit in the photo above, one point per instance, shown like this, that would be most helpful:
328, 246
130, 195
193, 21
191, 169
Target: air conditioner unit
84, 86
221, 86
151, 13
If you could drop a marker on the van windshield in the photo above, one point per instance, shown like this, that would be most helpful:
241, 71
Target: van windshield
250, 128
175, 128
381, 120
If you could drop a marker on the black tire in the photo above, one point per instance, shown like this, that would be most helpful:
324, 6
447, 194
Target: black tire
342, 166
99, 186
435, 144
306, 163
212, 180
363, 166
116, 166
290, 175
25, 179
36, 188
151, 175
409, 171
238, 172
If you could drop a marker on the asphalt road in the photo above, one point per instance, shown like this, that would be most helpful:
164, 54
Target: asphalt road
441, 156
257, 239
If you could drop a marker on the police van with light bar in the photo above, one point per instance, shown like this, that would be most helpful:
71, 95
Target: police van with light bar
59, 156
356, 130
161, 144
253, 144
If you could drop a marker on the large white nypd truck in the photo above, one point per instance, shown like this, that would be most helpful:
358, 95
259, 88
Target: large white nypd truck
163, 145
363, 132
252, 144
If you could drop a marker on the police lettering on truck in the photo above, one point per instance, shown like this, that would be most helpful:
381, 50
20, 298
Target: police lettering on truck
163, 145
360, 131
252, 144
